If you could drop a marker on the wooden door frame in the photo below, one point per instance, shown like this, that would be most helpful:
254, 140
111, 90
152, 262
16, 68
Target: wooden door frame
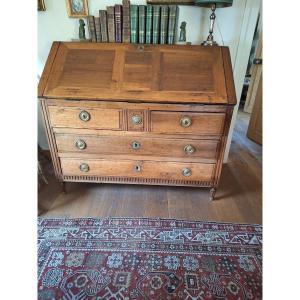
256, 72
240, 62
254, 131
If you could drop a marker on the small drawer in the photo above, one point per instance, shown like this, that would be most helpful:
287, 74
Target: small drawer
187, 123
91, 118
142, 169
137, 145
135, 120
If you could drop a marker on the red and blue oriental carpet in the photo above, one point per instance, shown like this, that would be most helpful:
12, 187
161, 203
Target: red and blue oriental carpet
159, 259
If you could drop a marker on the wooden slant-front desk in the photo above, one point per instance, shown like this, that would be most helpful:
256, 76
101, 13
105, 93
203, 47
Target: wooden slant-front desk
137, 114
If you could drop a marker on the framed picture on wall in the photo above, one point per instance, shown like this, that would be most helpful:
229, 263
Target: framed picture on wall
77, 8
41, 5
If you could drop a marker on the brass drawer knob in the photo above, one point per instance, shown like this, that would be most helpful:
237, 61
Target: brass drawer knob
185, 121
137, 168
80, 144
84, 116
136, 119
135, 145
189, 149
84, 167
186, 172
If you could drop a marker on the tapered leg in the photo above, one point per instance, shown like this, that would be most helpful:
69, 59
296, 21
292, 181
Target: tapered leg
212, 193
63, 187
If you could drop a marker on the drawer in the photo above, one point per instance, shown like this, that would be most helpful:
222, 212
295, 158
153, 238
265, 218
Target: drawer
137, 145
187, 123
75, 117
142, 169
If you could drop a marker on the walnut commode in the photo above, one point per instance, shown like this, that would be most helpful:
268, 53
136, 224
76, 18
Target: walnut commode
126, 113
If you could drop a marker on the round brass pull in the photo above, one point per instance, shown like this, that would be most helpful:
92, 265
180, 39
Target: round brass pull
136, 145
84, 167
189, 149
80, 144
137, 168
186, 172
136, 119
185, 121
84, 116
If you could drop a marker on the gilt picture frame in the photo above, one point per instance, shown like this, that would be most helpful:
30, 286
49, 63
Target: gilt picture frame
77, 8
169, 2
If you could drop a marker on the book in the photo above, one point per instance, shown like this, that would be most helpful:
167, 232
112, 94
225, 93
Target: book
142, 21
149, 20
103, 25
98, 29
134, 23
111, 23
92, 29
173, 17
118, 23
126, 21
164, 24
156, 23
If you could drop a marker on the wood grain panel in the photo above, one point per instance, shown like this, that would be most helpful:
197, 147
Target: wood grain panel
222, 145
138, 106
231, 94
47, 68
138, 71
142, 134
256, 123
127, 168
180, 72
151, 73
119, 145
202, 123
83, 155
99, 118
51, 140
82, 69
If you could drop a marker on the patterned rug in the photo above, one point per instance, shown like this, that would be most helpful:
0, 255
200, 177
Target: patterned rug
136, 258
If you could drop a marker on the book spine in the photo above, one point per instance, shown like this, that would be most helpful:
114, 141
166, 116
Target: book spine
118, 22
92, 29
156, 22
173, 14
126, 21
149, 19
142, 21
98, 29
164, 24
103, 25
133, 23
111, 23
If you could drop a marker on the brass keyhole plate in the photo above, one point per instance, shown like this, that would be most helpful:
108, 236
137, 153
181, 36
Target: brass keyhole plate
137, 168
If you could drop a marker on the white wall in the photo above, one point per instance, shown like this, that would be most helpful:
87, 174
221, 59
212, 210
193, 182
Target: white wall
55, 25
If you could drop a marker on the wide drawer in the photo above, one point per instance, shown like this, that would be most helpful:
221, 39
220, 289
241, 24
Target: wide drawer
75, 117
142, 169
137, 145
187, 122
